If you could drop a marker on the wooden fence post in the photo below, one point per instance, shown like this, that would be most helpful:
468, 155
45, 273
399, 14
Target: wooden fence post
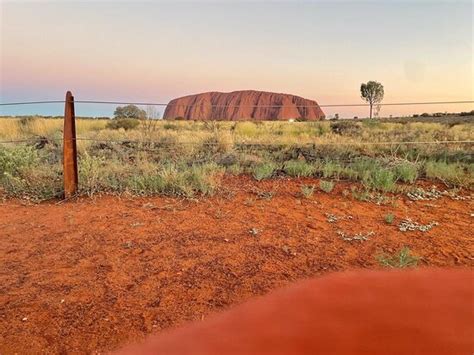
70, 172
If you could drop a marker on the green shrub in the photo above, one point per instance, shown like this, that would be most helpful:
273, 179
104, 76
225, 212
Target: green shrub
334, 170
205, 178
298, 168
147, 184
373, 175
326, 186
449, 173
307, 190
263, 171
389, 218
382, 179
90, 174
13, 161
402, 259
406, 172
177, 180
41, 183
125, 123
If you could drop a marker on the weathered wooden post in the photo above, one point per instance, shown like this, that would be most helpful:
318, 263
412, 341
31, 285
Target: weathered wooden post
70, 172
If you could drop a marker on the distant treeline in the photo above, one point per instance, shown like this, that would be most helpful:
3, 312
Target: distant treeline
441, 114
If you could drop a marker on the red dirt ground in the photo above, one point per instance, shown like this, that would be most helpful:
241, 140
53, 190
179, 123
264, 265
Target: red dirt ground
94, 274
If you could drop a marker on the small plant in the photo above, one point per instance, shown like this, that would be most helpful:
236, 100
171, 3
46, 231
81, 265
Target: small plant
263, 171
389, 218
402, 259
382, 179
373, 175
298, 168
307, 190
326, 186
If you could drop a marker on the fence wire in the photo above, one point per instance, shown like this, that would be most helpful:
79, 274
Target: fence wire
19, 103
249, 144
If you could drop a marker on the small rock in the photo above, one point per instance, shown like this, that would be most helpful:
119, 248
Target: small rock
25, 319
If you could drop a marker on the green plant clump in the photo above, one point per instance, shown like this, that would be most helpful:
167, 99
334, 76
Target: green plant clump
449, 173
307, 190
298, 168
263, 171
326, 186
402, 259
389, 218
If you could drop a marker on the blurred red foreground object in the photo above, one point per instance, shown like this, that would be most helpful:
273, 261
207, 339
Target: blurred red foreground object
426, 311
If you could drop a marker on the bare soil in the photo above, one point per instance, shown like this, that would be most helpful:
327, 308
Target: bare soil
91, 275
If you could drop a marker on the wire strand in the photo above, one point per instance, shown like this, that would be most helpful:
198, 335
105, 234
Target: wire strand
249, 144
233, 106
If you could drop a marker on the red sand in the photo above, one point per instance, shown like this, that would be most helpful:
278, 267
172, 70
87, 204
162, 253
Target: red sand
94, 274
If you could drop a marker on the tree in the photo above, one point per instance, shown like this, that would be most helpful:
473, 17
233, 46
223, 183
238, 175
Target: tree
129, 111
372, 92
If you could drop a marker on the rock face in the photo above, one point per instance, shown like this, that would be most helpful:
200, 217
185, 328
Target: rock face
243, 105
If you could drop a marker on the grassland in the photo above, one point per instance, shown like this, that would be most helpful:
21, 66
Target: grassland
188, 158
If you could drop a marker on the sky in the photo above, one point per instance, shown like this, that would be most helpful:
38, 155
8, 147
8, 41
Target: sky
154, 51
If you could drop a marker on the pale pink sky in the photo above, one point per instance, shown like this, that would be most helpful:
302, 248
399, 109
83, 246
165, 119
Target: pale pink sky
155, 51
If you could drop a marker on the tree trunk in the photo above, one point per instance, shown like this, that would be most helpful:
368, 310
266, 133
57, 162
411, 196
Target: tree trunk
370, 110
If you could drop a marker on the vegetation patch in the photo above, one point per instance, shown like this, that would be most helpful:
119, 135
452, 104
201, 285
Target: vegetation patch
307, 190
263, 171
326, 186
144, 156
298, 168
389, 218
402, 259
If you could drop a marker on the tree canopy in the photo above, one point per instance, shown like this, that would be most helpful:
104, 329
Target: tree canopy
129, 111
372, 92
